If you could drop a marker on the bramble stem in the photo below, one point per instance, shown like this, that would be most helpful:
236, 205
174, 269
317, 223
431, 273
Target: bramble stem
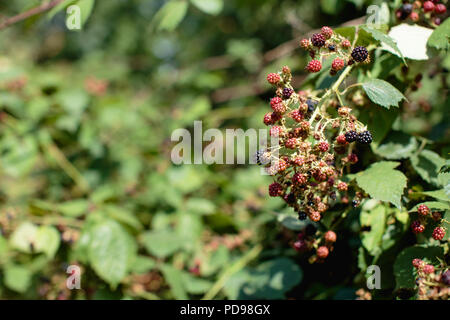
237, 266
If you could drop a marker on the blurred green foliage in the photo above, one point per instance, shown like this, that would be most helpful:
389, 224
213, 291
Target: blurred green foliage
85, 169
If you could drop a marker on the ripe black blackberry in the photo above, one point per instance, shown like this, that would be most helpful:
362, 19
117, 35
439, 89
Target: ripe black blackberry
360, 54
364, 137
318, 40
311, 105
332, 47
351, 136
445, 278
302, 215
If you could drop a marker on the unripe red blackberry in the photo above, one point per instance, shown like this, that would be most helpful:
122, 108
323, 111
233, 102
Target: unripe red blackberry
318, 40
338, 64
341, 139
352, 158
299, 161
275, 189
314, 66
291, 143
346, 44
268, 119
273, 78
322, 252
296, 115
300, 245
423, 210
440, 8
438, 233
417, 263
276, 131
282, 165
417, 227
305, 126
315, 216
342, 186
327, 32
286, 70
299, 178
279, 108
323, 146
330, 236
428, 269
428, 6
414, 16
360, 54
275, 100
305, 43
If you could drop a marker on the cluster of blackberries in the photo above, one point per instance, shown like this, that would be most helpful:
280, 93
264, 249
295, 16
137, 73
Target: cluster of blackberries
418, 226
364, 137
306, 241
426, 11
311, 155
326, 42
432, 284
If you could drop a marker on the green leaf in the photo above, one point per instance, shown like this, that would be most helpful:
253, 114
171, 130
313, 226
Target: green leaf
162, 243
123, 216
110, 251
432, 205
24, 237
290, 221
331, 6
427, 164
384, 38
437, 194
195, 285
397, 145
411, 41
17, 278
382, 93
73, 208
373, 181
440, 38
47, 240
375, 219
142, 264
213, 7
86, 7
200, 206
174, 277
403, 268
171, 14
270, 280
